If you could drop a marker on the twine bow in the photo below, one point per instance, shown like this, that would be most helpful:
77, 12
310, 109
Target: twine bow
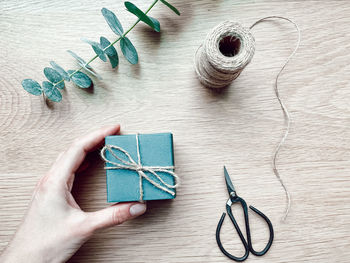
132, 165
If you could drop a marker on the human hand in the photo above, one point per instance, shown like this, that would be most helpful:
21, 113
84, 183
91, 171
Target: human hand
54, 226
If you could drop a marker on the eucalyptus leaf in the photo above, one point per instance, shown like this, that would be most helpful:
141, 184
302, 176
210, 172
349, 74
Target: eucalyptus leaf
97, 48
155, 23
129, 50
32, 86
59, 85
114, 60
141, 15
93, 72
54, 77
111, 51
112, 21
84, 65
81, 61
171, 7
81, 79
51, 92
60, 70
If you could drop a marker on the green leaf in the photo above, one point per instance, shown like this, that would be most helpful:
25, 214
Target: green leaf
81, 61
32, 86
92, 72
51, 92
111, 52
114, 61
171, 7
141, 15
97, 48
81, 79
53, 76
83, 64
129, 50
112, 21
155, 23
60, 70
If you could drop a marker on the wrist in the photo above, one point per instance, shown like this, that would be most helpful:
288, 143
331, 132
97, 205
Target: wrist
14, 254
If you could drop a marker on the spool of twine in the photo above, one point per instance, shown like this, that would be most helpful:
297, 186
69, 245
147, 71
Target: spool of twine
226, 51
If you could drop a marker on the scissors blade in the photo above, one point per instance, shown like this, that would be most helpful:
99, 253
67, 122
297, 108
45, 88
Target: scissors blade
229, 184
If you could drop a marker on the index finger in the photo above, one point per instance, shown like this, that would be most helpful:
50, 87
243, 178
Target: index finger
71, 160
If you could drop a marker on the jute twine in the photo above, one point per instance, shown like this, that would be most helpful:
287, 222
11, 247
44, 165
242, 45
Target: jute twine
214, 69
217, 68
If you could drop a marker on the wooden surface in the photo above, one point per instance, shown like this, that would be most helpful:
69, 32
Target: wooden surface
238, 127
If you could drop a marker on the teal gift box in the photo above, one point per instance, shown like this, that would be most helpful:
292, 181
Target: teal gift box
139, 167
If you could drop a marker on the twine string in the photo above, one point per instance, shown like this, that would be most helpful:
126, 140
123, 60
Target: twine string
132, 165
215, 70
284, 108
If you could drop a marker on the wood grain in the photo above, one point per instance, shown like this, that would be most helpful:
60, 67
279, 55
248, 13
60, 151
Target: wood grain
238, 127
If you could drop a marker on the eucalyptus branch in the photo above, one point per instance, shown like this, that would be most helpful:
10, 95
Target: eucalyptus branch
103, 49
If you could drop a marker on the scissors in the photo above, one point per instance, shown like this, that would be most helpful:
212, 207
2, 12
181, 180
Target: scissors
234, 198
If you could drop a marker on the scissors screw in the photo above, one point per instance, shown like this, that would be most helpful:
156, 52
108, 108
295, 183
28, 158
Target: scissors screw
233, 194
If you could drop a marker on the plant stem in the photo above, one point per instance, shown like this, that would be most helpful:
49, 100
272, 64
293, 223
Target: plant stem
112, 44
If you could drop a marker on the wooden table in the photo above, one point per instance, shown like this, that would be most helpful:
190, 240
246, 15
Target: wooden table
238, 127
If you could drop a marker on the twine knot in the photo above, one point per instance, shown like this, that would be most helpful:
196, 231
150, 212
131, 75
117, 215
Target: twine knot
131, 164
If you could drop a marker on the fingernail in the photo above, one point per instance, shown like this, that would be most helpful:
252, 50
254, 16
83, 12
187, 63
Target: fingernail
137, 209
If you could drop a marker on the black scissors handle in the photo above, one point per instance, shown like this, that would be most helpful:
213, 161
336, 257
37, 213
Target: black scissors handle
269, 243
247, 244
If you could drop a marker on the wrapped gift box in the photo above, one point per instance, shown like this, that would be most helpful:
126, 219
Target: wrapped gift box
156, 150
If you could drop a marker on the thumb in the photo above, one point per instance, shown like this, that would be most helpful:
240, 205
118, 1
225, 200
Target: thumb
116, 214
